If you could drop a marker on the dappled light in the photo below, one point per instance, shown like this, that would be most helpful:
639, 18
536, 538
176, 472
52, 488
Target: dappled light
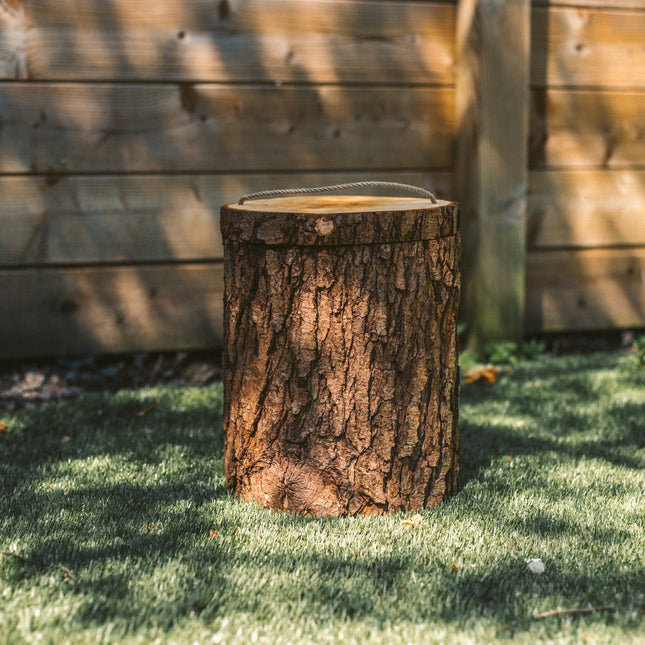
585, 261
119, 521
125, 128
129, 127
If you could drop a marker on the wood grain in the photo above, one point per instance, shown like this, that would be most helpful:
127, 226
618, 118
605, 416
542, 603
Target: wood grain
585, 128
231, 40
491, 172
585, 289
586, 208
143, 218
598, 4
64, 128
574, 46
65, 311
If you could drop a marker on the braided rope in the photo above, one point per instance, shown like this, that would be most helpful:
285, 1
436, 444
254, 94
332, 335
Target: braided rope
324, 189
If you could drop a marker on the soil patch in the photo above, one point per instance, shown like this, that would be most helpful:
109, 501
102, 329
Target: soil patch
28, 383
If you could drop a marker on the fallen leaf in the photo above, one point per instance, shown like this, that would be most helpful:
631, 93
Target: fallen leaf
487, 374
145, 411
372, 510
414, 522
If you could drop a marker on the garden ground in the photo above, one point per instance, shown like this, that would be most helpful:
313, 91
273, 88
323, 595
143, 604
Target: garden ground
115, 525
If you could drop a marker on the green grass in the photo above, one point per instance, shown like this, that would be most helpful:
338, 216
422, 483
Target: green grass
111, 512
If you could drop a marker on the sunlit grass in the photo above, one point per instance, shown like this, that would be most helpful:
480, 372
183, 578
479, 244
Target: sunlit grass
115, 510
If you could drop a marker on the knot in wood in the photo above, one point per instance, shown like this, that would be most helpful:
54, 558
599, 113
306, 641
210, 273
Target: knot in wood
324, 226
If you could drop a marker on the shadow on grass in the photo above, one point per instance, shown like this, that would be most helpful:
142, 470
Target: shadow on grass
107, 525
131, 424
565, 408
382, 590
481, 444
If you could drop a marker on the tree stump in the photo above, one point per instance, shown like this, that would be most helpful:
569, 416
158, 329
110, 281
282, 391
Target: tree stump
340, 353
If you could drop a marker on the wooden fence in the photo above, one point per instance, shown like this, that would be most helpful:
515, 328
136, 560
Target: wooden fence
125, 125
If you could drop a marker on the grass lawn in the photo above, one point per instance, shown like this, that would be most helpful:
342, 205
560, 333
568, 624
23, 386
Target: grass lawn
116, 527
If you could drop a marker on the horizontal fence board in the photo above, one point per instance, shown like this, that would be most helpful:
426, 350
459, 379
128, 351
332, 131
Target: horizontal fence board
143, 218
596, 4
573, 46
586, 208
585, 290
66, 128
233, 40
58, 312
583, 128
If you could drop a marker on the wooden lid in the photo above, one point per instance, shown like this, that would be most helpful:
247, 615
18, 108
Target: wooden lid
338, 220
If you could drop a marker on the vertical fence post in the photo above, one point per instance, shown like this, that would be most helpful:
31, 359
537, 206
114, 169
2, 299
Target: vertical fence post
491, 174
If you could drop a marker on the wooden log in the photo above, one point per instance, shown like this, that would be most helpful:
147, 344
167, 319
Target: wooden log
491, 177
340, 353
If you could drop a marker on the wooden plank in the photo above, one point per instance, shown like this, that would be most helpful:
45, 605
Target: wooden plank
584, 209
583, 128
66, 128
231, 40
587, 47
583, 290
490, 174
599, 4
142, 218
58, 312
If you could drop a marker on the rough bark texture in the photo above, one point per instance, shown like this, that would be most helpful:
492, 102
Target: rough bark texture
340, 359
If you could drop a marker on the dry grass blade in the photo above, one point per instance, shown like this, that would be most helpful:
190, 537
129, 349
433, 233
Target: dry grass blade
562, 612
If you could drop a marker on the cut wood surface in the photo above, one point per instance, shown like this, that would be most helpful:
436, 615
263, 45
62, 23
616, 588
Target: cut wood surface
584, 128
102, 128
574, 46
586, 289
588, 208
337, 220
231, 40
143, 218
56, 312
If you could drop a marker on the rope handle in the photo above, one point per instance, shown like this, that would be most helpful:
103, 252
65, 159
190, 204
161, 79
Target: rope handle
324, 189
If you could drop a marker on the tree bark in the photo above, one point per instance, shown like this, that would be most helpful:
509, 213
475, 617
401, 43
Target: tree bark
340, 357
